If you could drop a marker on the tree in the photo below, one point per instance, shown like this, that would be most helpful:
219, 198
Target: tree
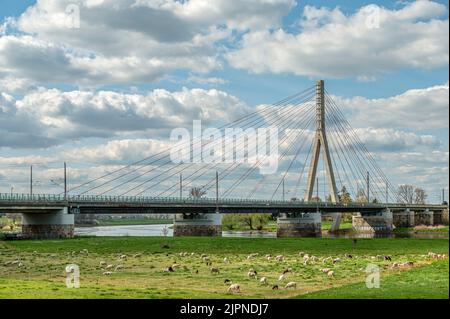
419, 196
361, 196
344, 196
406, 194
197, 192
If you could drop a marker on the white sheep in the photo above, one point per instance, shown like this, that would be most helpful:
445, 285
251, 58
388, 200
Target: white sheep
234, 287
107, 273
330, 273
281, 278
226, 261
279, 258
109, 267
252, 274
291, 284
263, 280
252, 255
118, 267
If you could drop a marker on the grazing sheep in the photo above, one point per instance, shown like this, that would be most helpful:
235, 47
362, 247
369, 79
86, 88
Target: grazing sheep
301, 254
330, 273
291, 284
137, 255
252, 274
227, 281
214, 270
388, 258
107, 273
279, 258
281, 278
109, 267
118, 267
287, 270
263, 280
252, 255
395, 265
174, 266
226, 261
206, 259
123, 257
268, 255
234, 287
275, 287
168, 269
337, 260
269, 258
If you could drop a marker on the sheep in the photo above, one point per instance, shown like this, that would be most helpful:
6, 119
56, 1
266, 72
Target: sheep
109, 267
291, 284
388, 258
118, 267
313, 259
330, 273
226, 261
287, 270
252, 255
206, 259
123, 257
337, 260
281, 278
326, 260
227, 281
348, 255
263, 280
301, 254
268, 255
175, 265
203, 255
168, 269
269, 258
275, 287
214, 270
395, 265
234, 287
252, 274
107, 273
137, 255
279, 258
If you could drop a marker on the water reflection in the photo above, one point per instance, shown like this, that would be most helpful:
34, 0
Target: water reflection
166, 230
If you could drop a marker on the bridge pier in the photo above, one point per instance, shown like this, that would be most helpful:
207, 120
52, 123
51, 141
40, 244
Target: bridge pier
424, 218
196, 224
378, 223
299, 225
440, 217
47, 225
403, 219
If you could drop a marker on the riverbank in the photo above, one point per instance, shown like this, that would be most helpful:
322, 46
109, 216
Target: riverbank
42, 270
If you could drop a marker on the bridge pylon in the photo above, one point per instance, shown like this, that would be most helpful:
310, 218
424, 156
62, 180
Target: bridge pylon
320, 142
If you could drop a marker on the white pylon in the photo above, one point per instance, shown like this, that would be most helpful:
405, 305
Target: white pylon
321, 142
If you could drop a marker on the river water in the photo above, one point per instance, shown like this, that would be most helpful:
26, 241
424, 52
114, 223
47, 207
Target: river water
164, 229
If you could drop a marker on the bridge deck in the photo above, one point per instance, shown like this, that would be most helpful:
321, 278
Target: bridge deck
90, 204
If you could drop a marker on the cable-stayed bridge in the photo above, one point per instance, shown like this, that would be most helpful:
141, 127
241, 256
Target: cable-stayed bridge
322, 166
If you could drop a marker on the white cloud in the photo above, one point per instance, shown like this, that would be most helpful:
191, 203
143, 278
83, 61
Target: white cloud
46, 117
331, 44
417, 109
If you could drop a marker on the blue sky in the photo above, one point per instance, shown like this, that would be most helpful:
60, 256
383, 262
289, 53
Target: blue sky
384, 77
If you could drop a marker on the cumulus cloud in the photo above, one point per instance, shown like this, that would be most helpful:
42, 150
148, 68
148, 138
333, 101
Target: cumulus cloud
127, 41
417, 109
332, 44
46, 117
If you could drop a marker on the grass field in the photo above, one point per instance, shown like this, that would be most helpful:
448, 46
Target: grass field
42, 270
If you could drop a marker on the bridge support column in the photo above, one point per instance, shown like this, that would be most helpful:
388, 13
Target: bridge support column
299, 225
403, 219
58, 224
440, 217
381, 222
197, 225
424, 217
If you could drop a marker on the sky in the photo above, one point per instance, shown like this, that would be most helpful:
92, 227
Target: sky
101, 83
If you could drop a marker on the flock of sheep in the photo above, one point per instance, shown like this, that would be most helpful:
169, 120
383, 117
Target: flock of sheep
305, 259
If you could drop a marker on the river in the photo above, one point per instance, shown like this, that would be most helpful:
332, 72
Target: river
159, 230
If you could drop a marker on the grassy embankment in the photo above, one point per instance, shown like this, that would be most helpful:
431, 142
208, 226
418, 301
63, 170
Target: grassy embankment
42, 273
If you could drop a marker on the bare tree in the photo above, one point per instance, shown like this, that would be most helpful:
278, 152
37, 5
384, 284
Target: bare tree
420, 196
406, 194
197, 192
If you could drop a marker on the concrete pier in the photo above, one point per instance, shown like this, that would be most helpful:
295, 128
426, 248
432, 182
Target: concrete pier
46, 225
381, 222
197, 225
424, 218
299, 225
404, 218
